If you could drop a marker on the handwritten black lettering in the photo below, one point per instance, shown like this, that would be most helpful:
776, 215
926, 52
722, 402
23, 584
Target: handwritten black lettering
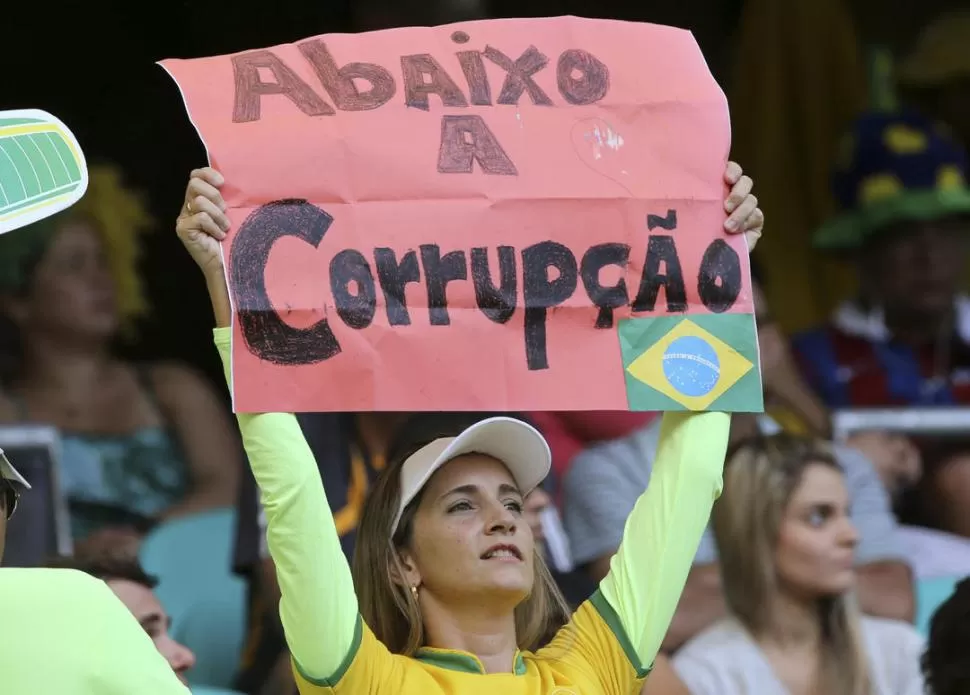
661, 250
466, 140
394, 277
606, 298
339, 81
356, 309
497, 303
592, 83
720, 278
473, 67
519, 74
265, 333
250, 88
423, 75
542, 293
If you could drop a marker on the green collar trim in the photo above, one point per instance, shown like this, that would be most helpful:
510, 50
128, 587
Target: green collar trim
454, 660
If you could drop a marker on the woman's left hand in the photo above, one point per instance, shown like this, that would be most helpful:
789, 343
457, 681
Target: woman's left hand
742, 206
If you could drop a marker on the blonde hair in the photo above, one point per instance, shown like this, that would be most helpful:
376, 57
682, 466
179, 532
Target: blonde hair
390, 608
760, 478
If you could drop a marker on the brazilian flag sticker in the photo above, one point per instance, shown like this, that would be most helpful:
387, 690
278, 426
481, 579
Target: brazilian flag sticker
42, 168
692, 362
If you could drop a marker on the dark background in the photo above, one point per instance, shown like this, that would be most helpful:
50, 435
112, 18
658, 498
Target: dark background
93, 65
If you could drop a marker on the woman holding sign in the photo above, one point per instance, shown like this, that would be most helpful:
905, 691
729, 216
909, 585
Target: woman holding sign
451, 596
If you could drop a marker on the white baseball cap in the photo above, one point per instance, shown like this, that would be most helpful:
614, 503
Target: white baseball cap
519, 446
8, 472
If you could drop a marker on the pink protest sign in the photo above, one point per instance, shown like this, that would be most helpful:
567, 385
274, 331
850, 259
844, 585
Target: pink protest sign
509, 214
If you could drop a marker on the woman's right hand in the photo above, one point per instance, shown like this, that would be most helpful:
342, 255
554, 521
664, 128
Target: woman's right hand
202, 223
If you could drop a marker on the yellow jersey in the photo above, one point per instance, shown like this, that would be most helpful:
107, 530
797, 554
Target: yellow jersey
608, 646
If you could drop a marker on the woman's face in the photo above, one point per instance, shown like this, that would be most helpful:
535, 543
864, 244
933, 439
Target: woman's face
469, 535
72, 294
816, 542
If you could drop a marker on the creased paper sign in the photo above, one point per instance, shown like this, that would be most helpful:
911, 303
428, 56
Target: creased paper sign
502, 215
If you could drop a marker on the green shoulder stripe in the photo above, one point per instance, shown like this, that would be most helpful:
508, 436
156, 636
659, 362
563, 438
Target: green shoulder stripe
612, 620
332, 680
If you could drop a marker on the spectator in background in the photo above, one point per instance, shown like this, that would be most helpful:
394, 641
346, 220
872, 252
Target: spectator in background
935, 75
136, 589
141, 442
568, 433
605, 481
946, 664
905, 340
787, 546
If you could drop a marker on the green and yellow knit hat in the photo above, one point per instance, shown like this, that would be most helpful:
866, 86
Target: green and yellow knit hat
894, 167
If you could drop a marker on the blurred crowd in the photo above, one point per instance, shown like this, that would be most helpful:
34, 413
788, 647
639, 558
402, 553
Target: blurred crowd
830, 548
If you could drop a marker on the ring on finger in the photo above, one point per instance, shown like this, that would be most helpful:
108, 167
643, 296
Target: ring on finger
188, 206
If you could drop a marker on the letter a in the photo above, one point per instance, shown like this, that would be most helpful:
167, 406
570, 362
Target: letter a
466, 140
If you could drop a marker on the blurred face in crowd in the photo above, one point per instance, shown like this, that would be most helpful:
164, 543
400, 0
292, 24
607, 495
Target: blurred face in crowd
537, 500
915, 269
470, 535
816, 541
72, 294
144, 605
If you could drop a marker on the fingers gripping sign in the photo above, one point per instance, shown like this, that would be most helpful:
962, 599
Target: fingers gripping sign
202, 223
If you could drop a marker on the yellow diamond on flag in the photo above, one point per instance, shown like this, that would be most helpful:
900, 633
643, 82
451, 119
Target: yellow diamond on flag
690, 366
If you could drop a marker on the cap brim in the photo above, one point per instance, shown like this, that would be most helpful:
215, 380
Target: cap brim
8, 472
850, 231
518, 445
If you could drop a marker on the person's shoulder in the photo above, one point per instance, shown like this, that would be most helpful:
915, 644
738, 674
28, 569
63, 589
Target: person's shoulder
721, 640
170, 379
635, 451
854, 463
888, 636
715, 660
57, 584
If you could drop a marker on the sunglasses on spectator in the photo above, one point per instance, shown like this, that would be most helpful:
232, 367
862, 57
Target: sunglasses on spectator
9, 496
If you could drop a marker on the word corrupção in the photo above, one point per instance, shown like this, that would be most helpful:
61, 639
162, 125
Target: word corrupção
354, 287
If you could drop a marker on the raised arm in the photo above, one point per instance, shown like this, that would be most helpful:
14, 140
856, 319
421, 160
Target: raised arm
318, 607
648, 572
617, 633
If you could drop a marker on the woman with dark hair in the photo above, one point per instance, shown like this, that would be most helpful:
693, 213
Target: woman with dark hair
140, 442
448, 593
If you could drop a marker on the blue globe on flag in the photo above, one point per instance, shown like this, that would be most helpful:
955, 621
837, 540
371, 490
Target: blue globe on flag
691, 366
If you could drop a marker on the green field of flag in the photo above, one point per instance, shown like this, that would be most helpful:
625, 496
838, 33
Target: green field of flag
42, 168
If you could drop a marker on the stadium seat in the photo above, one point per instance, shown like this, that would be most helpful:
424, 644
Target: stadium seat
191, 557
931, 592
